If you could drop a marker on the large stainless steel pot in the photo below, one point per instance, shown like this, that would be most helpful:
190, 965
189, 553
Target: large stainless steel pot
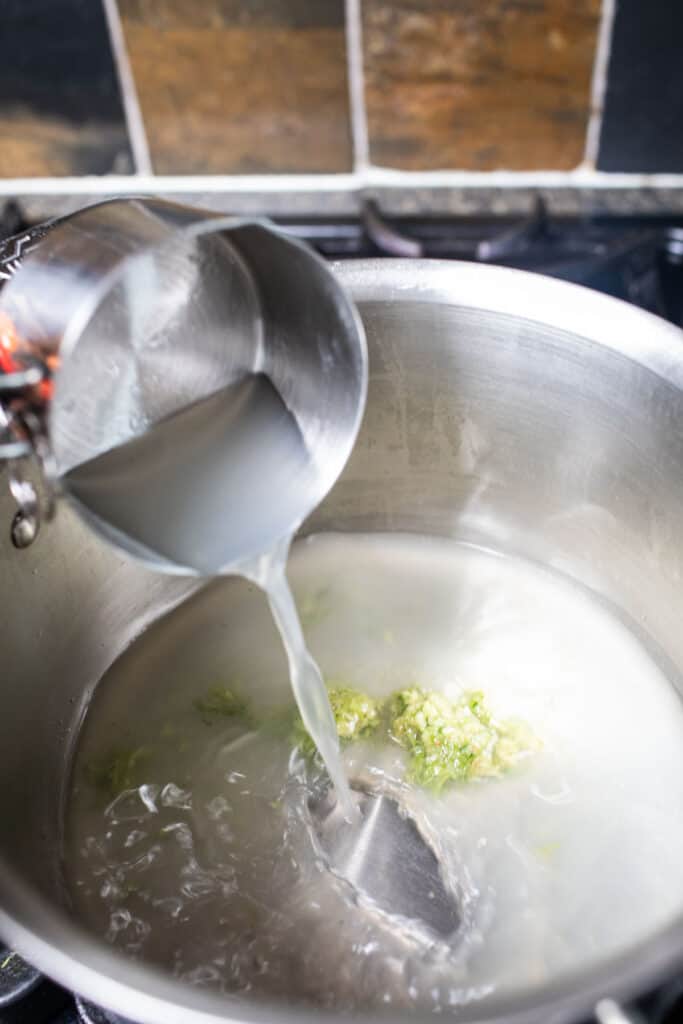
503, 408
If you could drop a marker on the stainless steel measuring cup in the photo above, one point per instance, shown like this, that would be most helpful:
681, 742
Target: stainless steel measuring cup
193, 383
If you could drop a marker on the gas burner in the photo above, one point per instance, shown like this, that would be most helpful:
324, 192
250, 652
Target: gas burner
28, 997
638, 259
90, 1014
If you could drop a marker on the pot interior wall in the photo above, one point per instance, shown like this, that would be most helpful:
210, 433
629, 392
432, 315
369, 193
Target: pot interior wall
481, 426
528, 439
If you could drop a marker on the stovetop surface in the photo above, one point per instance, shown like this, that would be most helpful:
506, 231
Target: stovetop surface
638, 259
28, 997
635, 258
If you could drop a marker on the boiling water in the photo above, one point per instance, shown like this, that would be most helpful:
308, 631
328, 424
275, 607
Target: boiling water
195, 493
206, 863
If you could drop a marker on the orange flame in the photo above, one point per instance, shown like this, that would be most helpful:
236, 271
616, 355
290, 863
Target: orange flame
12, 345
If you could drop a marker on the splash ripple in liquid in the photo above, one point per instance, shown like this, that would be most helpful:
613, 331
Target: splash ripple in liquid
206, 865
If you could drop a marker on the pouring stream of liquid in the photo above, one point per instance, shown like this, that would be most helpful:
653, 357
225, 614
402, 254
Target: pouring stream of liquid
305, 677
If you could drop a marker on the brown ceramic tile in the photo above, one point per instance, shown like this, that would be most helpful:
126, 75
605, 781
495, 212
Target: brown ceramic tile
241, 86
478, 84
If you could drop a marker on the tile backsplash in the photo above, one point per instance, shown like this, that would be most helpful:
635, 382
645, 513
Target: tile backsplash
271, 87
642, 129
61, 111
232, 87
478, 84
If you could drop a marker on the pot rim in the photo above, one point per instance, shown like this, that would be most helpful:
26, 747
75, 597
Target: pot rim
572, 308
70, 955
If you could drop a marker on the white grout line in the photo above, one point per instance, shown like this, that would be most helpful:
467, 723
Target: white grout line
354, 62
599, 82
370, 177
129, 94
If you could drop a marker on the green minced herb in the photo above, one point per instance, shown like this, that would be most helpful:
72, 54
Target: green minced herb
356, 716
314, 608
454, 740
447, 740
220, 702
120, 769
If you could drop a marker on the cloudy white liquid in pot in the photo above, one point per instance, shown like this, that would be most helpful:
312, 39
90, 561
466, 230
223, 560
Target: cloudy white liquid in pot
207, 867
